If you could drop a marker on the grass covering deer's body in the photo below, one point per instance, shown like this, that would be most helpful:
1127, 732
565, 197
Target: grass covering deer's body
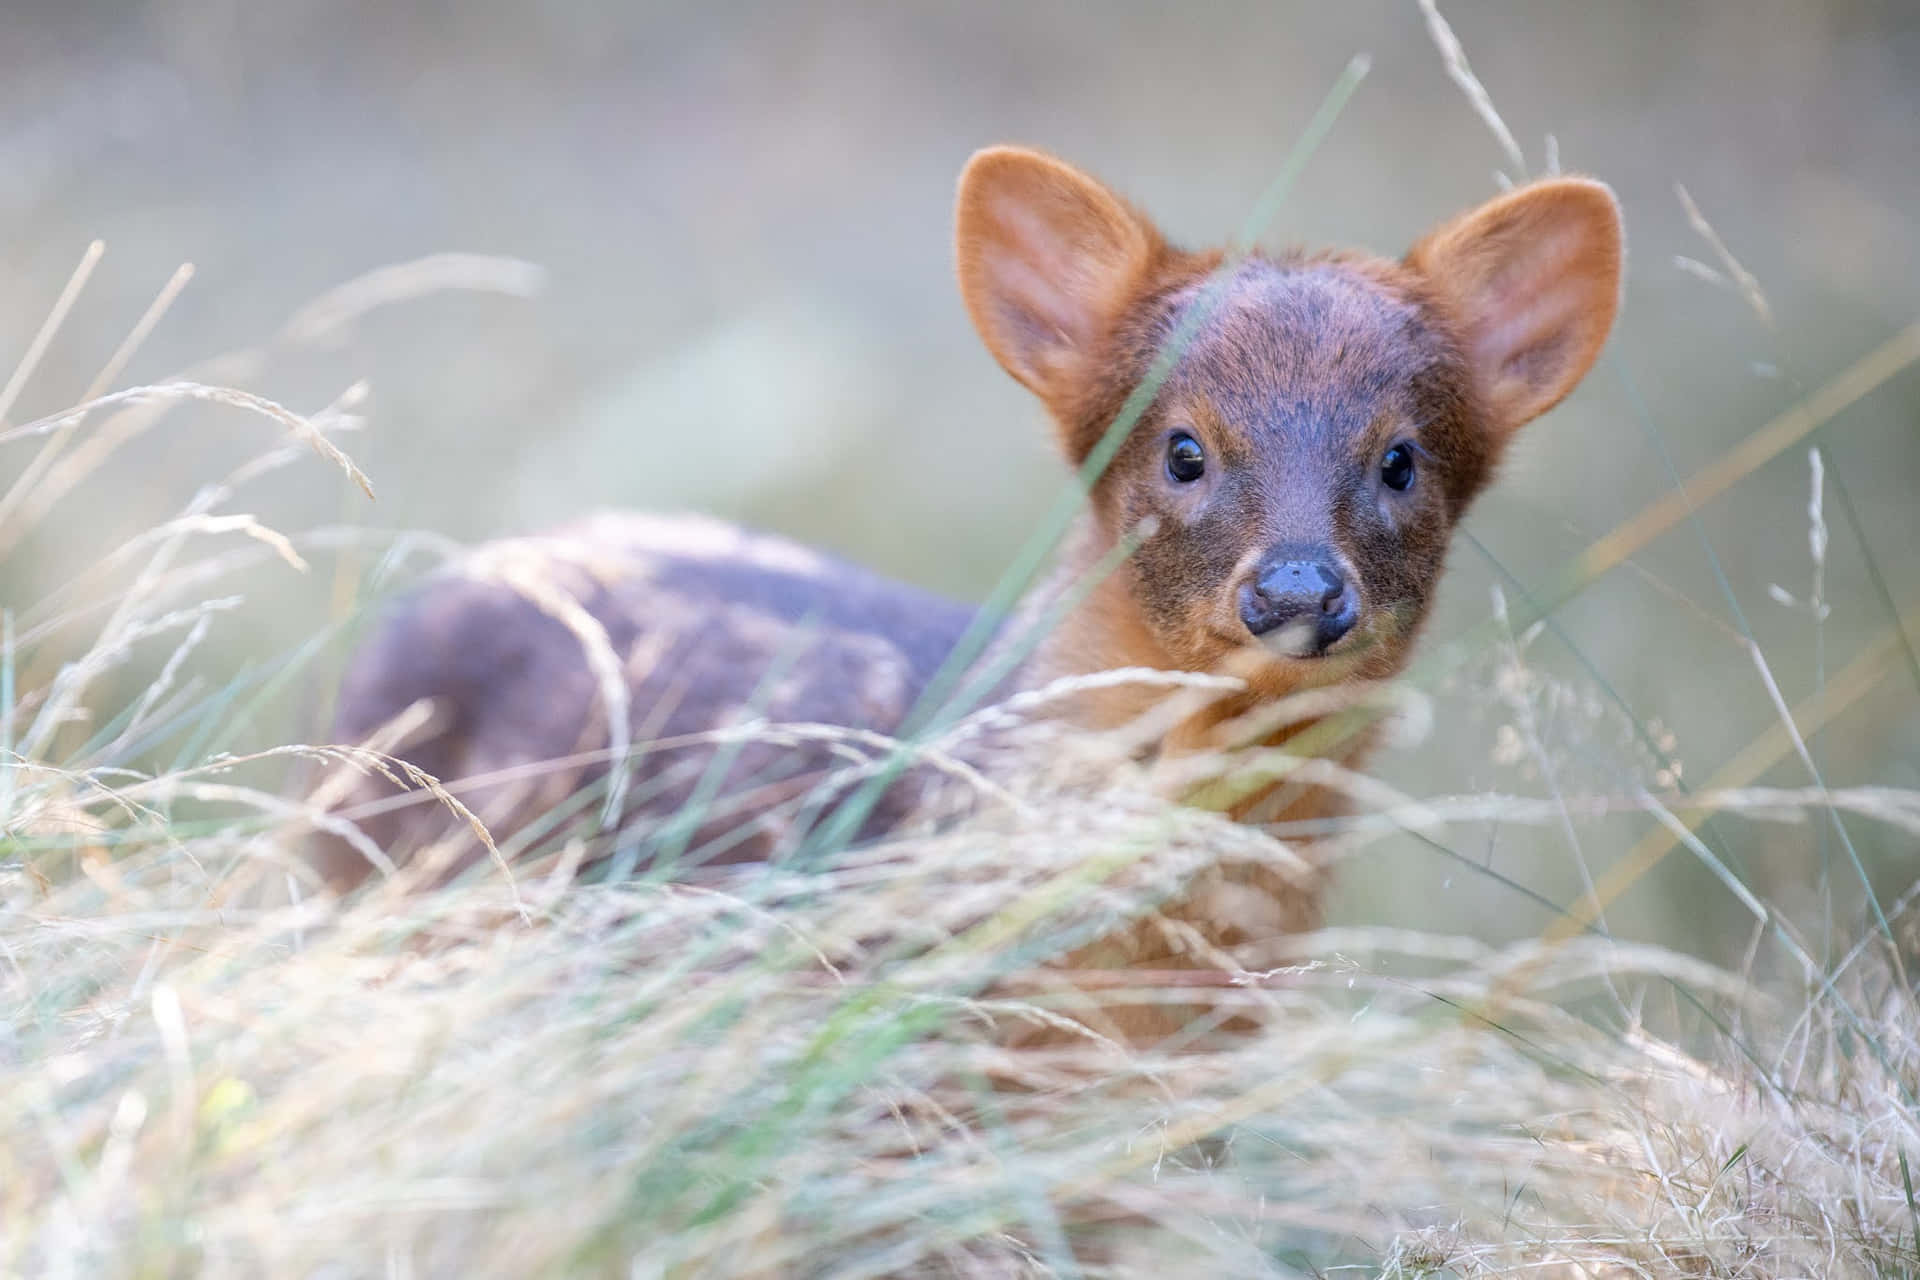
1293, 485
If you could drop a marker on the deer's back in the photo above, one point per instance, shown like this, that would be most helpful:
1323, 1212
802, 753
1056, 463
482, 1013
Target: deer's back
523, 655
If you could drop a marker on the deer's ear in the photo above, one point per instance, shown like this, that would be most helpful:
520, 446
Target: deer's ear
1046, 256
1533, 279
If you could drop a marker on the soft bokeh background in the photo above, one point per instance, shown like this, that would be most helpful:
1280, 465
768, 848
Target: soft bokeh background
743, 214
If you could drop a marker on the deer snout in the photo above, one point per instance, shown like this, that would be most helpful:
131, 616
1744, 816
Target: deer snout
1298, 607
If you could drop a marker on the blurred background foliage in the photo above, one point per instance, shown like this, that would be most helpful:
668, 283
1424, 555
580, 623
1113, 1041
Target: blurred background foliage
743, 213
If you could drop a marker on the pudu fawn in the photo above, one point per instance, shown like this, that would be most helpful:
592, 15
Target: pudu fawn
1292, 484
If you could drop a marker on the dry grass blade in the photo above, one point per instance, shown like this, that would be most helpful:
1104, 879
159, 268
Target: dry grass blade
50, 451
250, 526
143, 329
37, 349
166, 392
1455, 57
335, 310
1743, 279
1884, 362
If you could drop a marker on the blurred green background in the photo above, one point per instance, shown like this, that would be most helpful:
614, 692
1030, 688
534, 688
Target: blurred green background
744, 216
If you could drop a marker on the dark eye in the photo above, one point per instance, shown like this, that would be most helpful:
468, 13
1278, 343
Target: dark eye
1396, 469
1186, 460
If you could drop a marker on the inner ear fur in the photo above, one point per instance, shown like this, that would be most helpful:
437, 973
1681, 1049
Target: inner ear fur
1047, 257
1533, 281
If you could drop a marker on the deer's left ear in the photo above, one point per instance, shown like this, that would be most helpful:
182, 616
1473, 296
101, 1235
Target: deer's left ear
1533, 280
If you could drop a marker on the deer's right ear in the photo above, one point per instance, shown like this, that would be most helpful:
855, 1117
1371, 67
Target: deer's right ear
1046, 257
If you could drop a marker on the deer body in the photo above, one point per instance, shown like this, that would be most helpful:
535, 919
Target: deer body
1292, 487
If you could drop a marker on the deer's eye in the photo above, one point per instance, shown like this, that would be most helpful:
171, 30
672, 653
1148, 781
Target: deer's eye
1396, 469
1186, 460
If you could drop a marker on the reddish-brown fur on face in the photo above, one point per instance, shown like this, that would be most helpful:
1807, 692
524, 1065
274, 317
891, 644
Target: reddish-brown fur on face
1299, 374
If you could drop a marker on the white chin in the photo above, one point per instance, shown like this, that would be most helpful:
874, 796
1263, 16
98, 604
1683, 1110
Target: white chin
1295, 640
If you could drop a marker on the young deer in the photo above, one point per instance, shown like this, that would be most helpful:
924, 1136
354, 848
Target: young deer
1293, 485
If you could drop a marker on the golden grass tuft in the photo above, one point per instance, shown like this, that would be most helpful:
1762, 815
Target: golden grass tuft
786, 1073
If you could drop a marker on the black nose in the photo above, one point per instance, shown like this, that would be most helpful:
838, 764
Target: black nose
1299, 606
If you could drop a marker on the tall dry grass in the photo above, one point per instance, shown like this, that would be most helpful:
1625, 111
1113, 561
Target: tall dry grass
805, 1072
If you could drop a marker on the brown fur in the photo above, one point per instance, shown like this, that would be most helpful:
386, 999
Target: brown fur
1302, 371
